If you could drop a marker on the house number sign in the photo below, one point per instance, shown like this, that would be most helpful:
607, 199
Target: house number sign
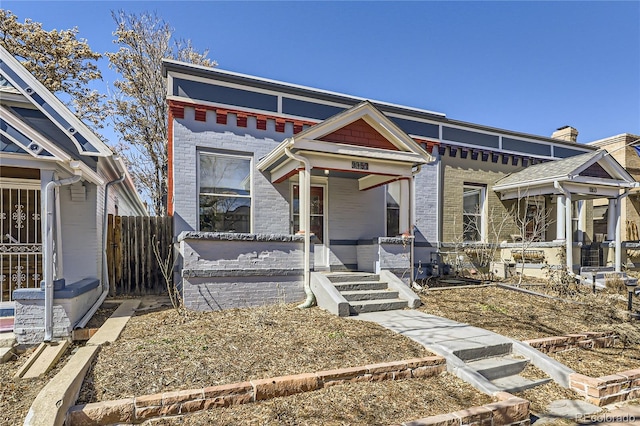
360, 165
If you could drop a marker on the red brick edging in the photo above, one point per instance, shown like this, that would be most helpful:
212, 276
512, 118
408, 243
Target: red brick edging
509, 410
605, 390
139, 409
573, 341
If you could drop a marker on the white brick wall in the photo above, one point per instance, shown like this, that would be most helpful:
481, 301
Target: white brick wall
81, 235
189, 135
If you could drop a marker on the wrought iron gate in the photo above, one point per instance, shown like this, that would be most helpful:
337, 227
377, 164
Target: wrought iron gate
20, 241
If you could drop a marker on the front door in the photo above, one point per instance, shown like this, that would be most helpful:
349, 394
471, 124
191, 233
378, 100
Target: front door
318, 221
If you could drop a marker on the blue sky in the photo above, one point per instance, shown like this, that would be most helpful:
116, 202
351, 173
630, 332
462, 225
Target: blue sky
524, 66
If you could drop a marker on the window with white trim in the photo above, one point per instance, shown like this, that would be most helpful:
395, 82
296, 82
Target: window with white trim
473, 212
392, 196
224, 192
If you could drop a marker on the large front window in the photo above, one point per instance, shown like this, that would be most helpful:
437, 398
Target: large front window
473, 212
225, 193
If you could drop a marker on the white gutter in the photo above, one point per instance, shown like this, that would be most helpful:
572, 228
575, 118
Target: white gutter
305, 223
568, 237
105, 275
48, 252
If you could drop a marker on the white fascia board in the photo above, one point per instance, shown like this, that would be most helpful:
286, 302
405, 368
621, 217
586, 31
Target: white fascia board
359, 151
600, 191
344, 163
36, 88
502, 188
592, 181
518, 193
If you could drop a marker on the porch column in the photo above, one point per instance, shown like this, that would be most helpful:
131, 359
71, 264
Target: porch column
560, 222
582, 218
568, 233
302, 195
611, 220
618, 264
405, 205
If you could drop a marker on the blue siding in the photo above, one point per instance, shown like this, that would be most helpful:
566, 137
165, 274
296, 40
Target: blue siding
526, 146
417, 127
309, 109
562, 152
224, 95
469, 137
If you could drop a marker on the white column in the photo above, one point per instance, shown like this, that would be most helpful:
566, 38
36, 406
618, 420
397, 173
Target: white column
302, 195
405, 205
569, 233
582, 218
560, 223
611, 220
618, 236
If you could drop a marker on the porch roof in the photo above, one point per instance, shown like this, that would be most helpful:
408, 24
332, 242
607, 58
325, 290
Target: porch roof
593, 172
360, 141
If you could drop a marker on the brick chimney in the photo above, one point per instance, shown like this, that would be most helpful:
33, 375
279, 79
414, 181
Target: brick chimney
566, 133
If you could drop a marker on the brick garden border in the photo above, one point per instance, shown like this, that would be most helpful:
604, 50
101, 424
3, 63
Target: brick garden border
509, 410
610, 389
573, 341
618, 387
141, 408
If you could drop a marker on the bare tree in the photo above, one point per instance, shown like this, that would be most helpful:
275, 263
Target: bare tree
61, 61
532, 220
139, 104
483, 252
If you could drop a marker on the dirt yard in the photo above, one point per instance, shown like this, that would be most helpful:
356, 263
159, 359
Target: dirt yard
162, 351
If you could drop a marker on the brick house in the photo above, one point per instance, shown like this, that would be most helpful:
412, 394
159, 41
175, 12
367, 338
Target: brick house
253, 163
58, 181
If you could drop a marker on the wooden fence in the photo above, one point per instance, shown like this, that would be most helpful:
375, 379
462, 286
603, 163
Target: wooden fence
132, 264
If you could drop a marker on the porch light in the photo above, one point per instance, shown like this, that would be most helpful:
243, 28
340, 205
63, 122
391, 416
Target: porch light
326, 172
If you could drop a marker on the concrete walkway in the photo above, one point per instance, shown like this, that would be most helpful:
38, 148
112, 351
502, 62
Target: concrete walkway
458, 341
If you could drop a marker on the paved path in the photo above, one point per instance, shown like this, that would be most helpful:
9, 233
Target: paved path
441, 335
446, 337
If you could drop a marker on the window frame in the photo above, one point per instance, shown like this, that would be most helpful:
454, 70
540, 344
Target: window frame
482, 211
227, 154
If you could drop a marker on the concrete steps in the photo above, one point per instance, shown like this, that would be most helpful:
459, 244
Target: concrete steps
503, 371
498, 367
518, 383
365, 292
478, 351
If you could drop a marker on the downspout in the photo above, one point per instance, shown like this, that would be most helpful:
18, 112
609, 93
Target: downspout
568, 232
48, 252
105, 275
619, 230
309, 302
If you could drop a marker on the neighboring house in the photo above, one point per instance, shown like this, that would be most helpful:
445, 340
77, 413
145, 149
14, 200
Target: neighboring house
624, 148
387, 187
58, 182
